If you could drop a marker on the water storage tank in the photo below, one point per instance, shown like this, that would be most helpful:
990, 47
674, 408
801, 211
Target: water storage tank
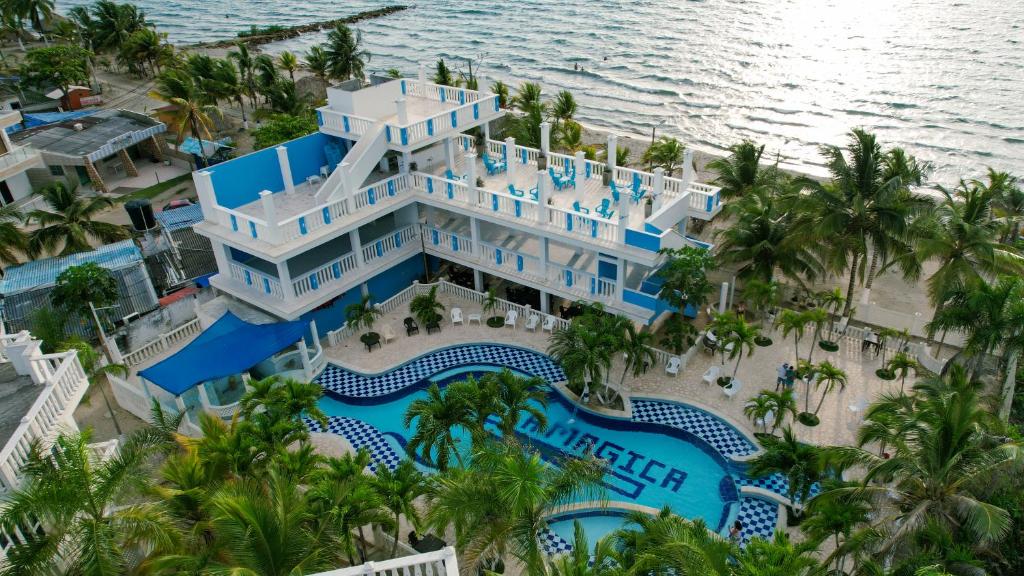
141, 213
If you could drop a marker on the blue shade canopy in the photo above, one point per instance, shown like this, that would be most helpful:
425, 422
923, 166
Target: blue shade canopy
229, 347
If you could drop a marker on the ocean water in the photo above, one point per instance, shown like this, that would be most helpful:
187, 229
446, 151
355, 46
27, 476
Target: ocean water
942, 79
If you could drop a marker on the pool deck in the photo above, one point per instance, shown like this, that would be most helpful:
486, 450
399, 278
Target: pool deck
757, 372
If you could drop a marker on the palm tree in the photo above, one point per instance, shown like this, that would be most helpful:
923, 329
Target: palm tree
517, 396
776, 557
90, 522
836, 517
765, 236
761, 297
67, 226
668, 544
528, 97
344, 499
399, 490
792, 322
317, 62
344, 52
12, 237
111, 24
436, 417
90, 361
39, 12
741, 335
247, 67
831, 300
563, 108
267, 76
362, 314
666, 153
637, 351
570, 135
740, 171
829, 377
500, 89
289, 63
148, 46
426, 306
801, 464
498, 504
901, 364
192, 113
769, 402
581, 560
818, 317
945, 452
583, 353
1009, 204
443, 75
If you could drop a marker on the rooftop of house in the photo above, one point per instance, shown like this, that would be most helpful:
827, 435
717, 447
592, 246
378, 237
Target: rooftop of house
17, 394
44, 272
103, 133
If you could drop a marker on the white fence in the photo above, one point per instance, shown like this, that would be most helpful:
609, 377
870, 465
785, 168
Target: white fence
162, 344
439, 563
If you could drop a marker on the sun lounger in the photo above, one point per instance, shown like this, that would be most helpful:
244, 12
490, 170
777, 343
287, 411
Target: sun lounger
532, 322
510, 318
456, 316
672, 368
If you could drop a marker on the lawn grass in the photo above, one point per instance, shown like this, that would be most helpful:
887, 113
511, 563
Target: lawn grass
155, 190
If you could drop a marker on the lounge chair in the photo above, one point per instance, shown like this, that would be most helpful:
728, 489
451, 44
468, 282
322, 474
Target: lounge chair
637, 195
493, 166
456, 316
411, 327
616, 193
532, 322
515, 191
387, 333
604, 210
711, 375
549, 324
672, 368
510, 318
534, 194
451, 175
576, 206
561, 181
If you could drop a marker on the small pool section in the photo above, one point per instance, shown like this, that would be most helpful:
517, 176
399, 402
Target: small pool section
650, 463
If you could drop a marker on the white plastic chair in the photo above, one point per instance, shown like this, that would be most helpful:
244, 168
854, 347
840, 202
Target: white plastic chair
510, 318
734, 387
549, 324
456, 316
532, 322
672, 367
711, 375
767, 421
388, 333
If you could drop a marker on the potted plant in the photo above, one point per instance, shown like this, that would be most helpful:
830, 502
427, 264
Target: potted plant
831, 301
425, 307
479, 182
363, 314
490, 306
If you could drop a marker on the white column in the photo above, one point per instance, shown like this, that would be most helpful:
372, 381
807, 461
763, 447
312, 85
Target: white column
624, 207
364, 290
545, 302
474, 234
687, 168
545, 138
543, 257
613, 148
423, 75
221, 256
316, 335
449, 154
542, 196
357, 246
722, 297
207, 197
383, 164
510, 160
307, 369
403, 112
269, 214
659, 188
470, 166
620, 279
581, 169
406, 162
286, 169
478, 280
284, 275
487, 132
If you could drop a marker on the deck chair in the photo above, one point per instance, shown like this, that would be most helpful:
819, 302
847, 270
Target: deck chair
515, 191
532, 322
576, 206
411, 327
387, 333
549, 324
456, 316
510, 318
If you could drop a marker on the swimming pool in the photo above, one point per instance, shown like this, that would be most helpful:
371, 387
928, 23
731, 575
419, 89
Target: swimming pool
650, 464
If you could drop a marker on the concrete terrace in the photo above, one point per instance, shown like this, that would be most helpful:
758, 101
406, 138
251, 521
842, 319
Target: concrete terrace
17, 394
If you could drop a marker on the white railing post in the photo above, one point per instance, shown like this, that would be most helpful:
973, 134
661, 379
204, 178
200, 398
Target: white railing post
542, 196
474, 234
286, 169
403, 112
658, 182
542, 256
613, 148
510, 160
545, 138
624, 208
423, 77
269, 214
451, 566
470, 164
620, 279
357, 247
284, 276
207, 197
687, 168
581, 172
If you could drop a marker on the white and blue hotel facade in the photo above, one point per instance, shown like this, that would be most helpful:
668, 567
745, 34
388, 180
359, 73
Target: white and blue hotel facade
392, 183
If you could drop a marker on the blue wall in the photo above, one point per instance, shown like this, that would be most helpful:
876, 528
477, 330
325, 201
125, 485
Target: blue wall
240, 181
397, 278
332, 317
642, 240
607, 269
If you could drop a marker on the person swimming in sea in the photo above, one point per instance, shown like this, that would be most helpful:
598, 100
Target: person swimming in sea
575, 66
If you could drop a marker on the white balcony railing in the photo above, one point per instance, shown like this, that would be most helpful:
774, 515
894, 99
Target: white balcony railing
256, 280
438, 563
388, 243
326, 275
162, 343
18, 155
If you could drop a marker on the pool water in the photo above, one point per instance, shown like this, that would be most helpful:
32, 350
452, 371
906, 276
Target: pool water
649, 465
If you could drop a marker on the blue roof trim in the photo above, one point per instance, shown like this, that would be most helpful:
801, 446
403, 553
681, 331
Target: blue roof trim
230, 346
43, 273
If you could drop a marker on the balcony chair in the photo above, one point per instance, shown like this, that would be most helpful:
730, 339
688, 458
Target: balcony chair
515, 191
672, 368
448, 174
560, 181
387, 333
493, 167
532, 322
638, 193
434, 325
510, 318
411, 327
604, 210
616, 193
456, 316
549, 324
576, 206
534, 194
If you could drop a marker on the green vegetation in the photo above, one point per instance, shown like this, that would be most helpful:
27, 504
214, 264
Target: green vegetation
155, 190
281, 128
67, 225
261, 30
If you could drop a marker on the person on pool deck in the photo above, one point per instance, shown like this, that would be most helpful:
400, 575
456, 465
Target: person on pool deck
782, 375
790, 377
734, 531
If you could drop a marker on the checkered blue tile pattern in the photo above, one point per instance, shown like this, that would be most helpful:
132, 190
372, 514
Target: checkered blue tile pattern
776, 483
712, 429
360, 435
552, 543
759, 518
352, 384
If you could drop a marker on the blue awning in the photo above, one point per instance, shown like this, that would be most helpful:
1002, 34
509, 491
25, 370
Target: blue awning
229, 347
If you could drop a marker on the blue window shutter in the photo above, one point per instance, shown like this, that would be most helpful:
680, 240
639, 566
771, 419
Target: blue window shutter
252, 229
344, 124
476, 111
336, 270
313, 282
302, 225
234, 223
327, 215
430, 126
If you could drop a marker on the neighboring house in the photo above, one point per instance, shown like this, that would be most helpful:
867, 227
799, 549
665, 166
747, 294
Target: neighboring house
395, 181
178, 255
26, 288
94, 151
14, 162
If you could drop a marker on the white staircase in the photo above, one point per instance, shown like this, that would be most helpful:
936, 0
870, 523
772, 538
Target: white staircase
357, 164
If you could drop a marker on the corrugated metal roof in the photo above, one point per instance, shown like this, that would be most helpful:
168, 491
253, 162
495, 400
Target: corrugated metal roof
41, 273
180, 217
